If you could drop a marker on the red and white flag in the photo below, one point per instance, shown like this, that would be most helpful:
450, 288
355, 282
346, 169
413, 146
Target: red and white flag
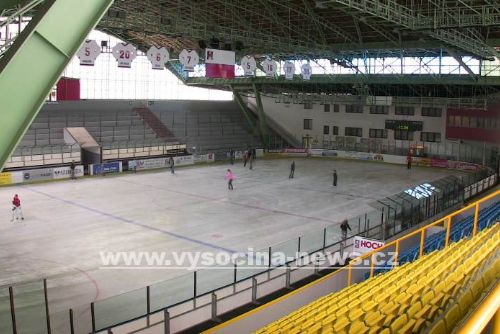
219, 64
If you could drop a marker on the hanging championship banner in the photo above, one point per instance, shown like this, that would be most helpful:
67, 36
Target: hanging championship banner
306, 71
269, 67
189, 59
249, 65
158, 57
124, 54
219, 63
89, 52
289, 68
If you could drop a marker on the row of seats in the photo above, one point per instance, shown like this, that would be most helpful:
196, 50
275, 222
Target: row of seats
432, 293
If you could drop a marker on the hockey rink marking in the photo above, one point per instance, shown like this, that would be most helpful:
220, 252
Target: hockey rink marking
132, 222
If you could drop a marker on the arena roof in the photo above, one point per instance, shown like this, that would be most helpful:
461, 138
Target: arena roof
319, 29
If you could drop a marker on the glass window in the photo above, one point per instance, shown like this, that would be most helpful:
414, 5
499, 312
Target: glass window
308, 105
403, 135
308, 124
327, 107
336, 108
384, 110
431, 112
354, 109
430, 137
378, 133
354, 132
335, 130
326, 130
404, 110
465, 121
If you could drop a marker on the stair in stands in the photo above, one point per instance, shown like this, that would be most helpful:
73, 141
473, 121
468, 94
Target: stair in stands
155, 123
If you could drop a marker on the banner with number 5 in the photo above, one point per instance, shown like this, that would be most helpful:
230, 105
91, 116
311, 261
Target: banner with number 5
89, 52
124, 54
158, 57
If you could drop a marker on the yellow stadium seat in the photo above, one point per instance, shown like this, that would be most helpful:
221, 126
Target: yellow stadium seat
341, 325
407, 328
477, 288
373, 319
314, 329
465, 301
368, 305
413, 310
399, 323
438, 328
452, 317
356, 314
358, 327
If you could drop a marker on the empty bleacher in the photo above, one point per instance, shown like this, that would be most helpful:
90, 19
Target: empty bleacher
431, 293
208, 126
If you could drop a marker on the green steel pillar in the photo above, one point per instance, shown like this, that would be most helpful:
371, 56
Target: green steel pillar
33, 64
262, 117
247, 113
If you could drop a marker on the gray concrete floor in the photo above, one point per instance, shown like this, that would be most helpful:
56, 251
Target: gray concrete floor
68, 223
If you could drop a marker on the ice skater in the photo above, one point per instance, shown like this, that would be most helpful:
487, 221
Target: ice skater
231, 156
408, 161
229, 178
292, 170
245, 158
72, 168
16, 209
334, 177
171, 163
344, 226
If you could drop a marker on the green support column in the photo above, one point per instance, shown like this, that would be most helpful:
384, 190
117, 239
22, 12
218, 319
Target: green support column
247, 113
33, 64
262, 117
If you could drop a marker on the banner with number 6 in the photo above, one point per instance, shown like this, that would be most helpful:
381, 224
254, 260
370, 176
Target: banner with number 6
158, 57
124, 54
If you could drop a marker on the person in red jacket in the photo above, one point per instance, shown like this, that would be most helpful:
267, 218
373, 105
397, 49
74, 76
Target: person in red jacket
16, 209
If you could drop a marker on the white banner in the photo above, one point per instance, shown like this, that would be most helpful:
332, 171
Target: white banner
124, 54
363, 245
158, 57
249, 65
200, 158
189, 59
88, 52
160, 162
65, 172
223, 57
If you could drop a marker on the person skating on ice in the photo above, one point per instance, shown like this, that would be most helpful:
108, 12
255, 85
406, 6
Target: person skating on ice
16, 209
229, 178
334, 177
171, 163
292, 170
344, 226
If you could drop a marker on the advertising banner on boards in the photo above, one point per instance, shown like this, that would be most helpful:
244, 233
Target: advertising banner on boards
363, 245
108, 167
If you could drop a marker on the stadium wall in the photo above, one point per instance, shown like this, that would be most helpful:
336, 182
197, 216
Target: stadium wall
292, 116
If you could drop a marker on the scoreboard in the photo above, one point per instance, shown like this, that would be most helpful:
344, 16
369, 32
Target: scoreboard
403, 125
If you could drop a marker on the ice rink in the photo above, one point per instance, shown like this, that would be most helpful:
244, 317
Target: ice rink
67, 224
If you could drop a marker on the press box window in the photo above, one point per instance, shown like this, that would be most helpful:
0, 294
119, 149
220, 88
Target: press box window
308, 105
336, 108
327, 107
335, 130
434, 137
403, 135
354, 132
431, 112
404, 110
326, 130
383, 110
354, 109
308, 124
378, 133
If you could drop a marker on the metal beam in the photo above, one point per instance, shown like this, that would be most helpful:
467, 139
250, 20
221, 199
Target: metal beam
473, 75
33, 64
262, 117
392, 11
247, 113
